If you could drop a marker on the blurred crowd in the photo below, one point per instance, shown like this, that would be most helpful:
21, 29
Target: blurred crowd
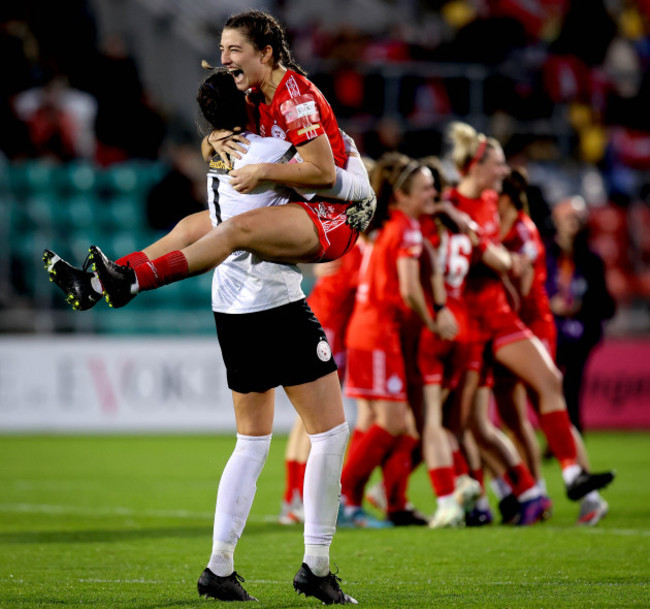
563, 85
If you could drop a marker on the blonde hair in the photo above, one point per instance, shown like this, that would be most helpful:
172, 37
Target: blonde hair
468, 146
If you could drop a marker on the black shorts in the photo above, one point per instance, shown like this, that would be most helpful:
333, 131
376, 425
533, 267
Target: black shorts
283, 346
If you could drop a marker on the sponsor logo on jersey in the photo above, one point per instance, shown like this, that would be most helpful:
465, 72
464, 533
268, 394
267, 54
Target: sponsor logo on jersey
218, 165
276, 131
308, 129
306, 108
323, 351
292, 87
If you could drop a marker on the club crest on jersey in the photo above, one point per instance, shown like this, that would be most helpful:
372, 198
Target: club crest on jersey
323, 351
277, 131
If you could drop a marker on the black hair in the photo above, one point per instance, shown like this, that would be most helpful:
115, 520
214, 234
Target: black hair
221, 103
263, 30
433, 163
514, 187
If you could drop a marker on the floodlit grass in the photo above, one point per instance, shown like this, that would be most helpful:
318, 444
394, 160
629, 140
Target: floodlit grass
125, 522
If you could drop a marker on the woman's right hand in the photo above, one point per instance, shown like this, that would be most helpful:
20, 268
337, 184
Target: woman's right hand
228, 144
446, 324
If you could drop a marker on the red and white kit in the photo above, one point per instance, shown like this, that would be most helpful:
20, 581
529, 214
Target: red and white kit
376, 369
491, 318
442, 361
299, 113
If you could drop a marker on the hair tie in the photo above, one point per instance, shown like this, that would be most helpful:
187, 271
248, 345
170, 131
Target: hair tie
405, 173
480, 151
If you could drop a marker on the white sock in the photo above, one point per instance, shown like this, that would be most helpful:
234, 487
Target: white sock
570, 473
322, 488
317, 558
592, 496
96, 284
500, 487
532, 493
234, 499
541, 484
483, 503
445, 501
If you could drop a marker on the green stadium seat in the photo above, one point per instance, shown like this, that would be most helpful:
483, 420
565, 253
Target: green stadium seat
124, 213
79, 211
41, 207
78, 177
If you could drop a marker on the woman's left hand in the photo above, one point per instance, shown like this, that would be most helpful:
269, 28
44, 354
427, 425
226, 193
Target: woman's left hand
245, 179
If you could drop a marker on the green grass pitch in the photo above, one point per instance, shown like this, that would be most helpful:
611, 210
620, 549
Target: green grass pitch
125, 522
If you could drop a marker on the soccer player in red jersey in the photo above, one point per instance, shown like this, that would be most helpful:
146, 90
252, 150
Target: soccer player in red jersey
481, 163
519, 234
441, 357
289, 107
389, 288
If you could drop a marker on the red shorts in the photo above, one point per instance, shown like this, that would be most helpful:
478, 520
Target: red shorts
378, 374
497, 329
334, 233
410, 336
442, 362
546, 331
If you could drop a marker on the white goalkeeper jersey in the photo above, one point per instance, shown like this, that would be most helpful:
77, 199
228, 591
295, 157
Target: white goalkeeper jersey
244, 283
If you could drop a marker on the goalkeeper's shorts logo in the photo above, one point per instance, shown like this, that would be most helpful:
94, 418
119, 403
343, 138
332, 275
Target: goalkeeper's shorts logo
323, 351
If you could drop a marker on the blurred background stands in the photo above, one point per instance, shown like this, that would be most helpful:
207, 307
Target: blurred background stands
100, 137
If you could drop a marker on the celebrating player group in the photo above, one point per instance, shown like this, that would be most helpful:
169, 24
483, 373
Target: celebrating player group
429, 301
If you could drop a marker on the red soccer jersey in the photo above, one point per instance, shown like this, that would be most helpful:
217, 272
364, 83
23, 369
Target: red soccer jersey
298, 113
332, 297
484, 291
454, 256
379, 308
523, 238
442, 361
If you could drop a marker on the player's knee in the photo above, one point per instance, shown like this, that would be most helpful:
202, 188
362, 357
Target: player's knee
241, 230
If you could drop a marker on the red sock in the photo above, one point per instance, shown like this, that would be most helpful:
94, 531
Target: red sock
557, 429
372, 449
442, 481
396, 470
291, 480
357, 436
416, 456
477, 474
460, 463
133, 259
162, 271
520, 479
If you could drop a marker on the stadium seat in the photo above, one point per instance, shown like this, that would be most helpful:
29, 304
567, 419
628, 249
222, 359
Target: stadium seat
123, 213
78, 177
41, 207
134, 178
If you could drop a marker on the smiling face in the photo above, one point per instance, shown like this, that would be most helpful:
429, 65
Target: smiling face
421, 195
491, 171
249, 66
